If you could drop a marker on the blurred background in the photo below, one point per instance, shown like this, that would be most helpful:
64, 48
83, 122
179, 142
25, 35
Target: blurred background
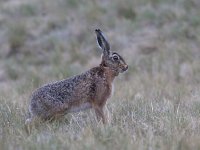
43, 41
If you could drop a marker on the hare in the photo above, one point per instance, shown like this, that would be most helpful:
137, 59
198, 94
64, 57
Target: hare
87, 90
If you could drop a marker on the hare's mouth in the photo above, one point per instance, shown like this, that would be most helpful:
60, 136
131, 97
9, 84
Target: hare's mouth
125, 68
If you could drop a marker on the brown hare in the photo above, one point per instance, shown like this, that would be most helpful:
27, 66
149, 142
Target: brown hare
87, 90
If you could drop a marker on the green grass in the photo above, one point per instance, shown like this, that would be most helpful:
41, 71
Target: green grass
27, 10
155, 105
17, 35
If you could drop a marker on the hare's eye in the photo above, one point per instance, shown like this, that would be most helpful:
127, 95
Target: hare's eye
115, 58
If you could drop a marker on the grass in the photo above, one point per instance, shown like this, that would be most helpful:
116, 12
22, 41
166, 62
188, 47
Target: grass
157, 119
156, 103
17, 36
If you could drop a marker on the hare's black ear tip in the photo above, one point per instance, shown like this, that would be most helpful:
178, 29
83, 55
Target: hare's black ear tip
97, 30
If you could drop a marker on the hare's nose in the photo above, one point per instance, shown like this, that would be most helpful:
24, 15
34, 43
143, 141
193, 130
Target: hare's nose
125, 67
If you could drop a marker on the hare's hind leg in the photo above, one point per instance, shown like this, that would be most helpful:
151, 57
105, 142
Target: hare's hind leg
29, 124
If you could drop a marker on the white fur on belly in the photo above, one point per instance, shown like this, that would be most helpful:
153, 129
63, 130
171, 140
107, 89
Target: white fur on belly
81, 107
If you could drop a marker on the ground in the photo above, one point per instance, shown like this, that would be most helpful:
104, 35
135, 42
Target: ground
156, 103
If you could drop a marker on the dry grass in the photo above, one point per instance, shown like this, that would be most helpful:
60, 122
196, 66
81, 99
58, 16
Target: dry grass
156, 104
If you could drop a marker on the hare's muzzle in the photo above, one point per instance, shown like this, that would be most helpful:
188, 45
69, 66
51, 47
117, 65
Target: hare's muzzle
125, 68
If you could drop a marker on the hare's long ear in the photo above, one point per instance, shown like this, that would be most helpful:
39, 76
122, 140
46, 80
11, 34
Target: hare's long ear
103, 43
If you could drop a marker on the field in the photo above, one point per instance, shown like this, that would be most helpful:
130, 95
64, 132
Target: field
156, 103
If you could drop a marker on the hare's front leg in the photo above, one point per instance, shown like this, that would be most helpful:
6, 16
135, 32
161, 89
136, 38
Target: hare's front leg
100, 114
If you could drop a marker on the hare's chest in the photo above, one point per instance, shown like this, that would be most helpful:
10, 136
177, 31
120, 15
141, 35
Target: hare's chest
109, 90
112, 89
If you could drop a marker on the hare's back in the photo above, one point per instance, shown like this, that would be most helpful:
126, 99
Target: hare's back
71, 89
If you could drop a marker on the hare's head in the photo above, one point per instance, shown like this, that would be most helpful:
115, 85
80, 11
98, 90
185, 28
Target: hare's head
109, 58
